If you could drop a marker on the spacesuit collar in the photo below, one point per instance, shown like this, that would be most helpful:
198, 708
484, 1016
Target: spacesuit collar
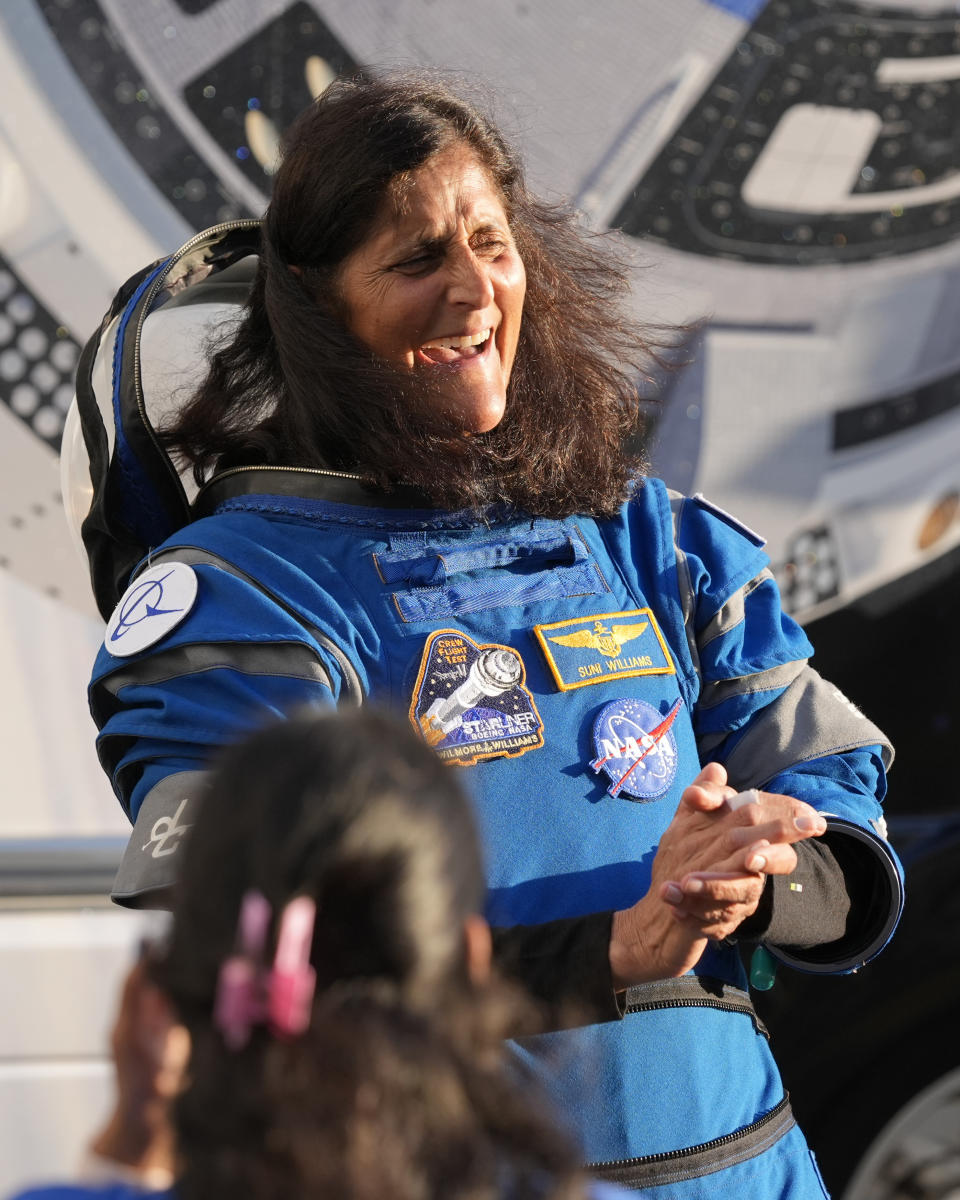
305, 483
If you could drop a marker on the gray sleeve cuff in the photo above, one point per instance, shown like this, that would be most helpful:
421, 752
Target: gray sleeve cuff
151, 860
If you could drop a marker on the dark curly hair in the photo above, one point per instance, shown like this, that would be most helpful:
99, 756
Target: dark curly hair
399, 1087
293, 386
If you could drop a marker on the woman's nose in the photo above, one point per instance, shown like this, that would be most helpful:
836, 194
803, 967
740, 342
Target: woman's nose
469, 280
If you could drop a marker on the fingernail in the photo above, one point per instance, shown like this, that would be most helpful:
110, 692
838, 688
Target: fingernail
756, 863
672, 894
810, 824
693, 886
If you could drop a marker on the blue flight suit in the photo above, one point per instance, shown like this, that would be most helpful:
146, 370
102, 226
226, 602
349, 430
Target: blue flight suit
582, 670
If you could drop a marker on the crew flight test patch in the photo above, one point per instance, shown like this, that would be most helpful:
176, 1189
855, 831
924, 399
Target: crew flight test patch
470, 702
605, 646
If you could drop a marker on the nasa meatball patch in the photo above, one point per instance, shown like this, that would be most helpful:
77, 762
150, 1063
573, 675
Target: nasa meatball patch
470, 703
636, 748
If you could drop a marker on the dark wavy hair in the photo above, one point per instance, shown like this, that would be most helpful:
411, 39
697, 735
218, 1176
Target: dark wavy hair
399, 1086
293, 386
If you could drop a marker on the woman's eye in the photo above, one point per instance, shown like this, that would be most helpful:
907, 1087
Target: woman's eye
417, 265
491, 245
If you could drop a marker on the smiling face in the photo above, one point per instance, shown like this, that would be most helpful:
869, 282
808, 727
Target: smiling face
438, 286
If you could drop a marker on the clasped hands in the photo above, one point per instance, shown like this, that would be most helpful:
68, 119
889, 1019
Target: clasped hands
708, 875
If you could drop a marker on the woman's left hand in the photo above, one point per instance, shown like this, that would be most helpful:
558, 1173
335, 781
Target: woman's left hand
715, 903
708, 875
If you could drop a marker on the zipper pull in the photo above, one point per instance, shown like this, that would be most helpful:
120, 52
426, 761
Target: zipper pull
763, 969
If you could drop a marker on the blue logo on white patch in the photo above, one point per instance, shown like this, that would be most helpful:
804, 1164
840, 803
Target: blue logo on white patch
636, 748
154, 604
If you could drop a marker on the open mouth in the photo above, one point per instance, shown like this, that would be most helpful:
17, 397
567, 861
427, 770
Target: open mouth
448, 350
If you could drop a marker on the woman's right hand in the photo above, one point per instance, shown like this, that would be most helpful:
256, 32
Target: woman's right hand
708, 876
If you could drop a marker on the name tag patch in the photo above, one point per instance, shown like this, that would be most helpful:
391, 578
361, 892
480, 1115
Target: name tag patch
470, 702
636, 748
604, 646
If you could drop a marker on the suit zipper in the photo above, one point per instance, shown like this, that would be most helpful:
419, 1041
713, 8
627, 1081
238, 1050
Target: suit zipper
744, 1007
669, 1156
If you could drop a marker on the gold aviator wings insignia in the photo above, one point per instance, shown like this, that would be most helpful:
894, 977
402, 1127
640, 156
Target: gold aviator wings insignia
608, 641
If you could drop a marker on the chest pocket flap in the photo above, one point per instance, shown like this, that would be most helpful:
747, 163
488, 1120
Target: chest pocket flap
436, 583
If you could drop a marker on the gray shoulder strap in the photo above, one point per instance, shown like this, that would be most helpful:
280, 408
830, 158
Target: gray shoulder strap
351, 693
684, 584
809, 720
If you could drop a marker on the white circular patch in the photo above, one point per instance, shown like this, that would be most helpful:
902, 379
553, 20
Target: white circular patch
156, 602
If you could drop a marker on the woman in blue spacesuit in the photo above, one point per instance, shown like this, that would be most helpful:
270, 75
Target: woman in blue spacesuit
416, 491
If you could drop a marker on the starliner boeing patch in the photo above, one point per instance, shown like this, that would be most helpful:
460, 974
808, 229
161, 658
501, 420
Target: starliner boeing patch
156, 602
636, 748
604, 646
470, 703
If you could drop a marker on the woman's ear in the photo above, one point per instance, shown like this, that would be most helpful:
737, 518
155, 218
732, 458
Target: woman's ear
476, 933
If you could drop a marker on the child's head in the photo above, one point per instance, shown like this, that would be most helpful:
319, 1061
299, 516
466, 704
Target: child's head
355, 812
397, 1085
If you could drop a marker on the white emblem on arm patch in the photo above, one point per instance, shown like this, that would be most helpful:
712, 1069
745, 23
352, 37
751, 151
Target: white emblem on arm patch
154, 604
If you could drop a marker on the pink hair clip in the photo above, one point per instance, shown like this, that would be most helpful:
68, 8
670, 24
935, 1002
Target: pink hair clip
292, 979
238, 1004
